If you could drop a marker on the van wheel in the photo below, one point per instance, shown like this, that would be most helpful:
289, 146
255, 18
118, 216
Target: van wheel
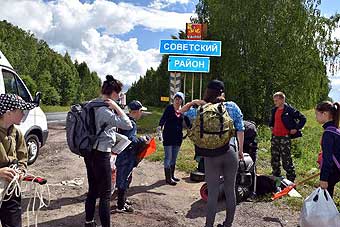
33, 146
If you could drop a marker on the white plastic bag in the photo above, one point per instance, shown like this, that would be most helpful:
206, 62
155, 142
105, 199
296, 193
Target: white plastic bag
319, 210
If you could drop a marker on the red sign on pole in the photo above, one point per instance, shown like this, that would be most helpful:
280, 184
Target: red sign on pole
194, 31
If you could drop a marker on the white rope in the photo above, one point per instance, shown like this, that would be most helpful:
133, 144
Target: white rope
39, 191
13, 188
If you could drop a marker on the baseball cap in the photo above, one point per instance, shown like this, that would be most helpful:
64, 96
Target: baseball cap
216, 85
179, 94
9, 102
136, 105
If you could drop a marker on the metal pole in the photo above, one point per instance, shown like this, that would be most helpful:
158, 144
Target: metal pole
185, 79
192, 86
201, 86
174, 83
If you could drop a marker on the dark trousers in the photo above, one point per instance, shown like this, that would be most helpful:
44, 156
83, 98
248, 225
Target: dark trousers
99, 180
332, 180
280, 148
10, 213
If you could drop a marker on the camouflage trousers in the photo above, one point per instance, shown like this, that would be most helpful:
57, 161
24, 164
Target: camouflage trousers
280, 148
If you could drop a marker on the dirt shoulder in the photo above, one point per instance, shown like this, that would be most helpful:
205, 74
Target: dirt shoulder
155, 203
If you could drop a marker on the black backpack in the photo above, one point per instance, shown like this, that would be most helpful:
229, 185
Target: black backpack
250, 143
250, 131
81, 128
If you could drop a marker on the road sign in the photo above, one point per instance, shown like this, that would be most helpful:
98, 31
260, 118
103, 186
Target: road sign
188, 64
165, 99
190, 47
194, 31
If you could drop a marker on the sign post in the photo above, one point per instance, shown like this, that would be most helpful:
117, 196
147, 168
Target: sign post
192, 86
175, 83
201, 78
185, 80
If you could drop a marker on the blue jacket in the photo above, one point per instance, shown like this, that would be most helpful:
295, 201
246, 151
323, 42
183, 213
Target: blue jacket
291, 118
330, 145
137, 145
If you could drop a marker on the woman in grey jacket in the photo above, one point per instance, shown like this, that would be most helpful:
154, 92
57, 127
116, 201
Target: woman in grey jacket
98, 162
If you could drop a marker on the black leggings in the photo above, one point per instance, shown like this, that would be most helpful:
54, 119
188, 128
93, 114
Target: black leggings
10, 213
99, 180
332, 180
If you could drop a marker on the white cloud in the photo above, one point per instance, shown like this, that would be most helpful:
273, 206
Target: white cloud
161, 4
27, 14
69, 25
122, 59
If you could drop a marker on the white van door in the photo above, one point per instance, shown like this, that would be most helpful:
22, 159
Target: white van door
14, 85
34, 123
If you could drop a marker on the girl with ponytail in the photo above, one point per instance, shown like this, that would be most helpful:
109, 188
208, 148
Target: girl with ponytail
327, 113
108, 117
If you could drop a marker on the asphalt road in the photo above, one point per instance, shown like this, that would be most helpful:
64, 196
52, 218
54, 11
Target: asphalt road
60, 117
55, 117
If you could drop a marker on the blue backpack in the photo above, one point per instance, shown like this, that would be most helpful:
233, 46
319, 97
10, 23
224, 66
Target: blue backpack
81, 132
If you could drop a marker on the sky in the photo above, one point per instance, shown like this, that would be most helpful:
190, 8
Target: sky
114, 36
329, 7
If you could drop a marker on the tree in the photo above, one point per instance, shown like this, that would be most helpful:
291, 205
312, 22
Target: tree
30, 84
267, 46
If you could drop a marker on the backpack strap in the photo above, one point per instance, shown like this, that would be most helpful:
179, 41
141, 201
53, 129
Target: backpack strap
333, 130
201, 121
102, 128
336, 131
219, 108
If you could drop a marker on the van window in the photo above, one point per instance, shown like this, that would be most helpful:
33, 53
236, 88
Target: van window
14, 85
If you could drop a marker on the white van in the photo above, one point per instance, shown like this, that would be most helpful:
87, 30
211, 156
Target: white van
34, 124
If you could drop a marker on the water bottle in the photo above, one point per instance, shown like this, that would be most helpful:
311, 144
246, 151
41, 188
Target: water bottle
159, 134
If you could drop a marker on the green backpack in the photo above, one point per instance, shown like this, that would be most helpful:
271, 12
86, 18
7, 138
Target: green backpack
213, 127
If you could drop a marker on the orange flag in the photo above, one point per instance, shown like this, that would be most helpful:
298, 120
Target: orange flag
150, 148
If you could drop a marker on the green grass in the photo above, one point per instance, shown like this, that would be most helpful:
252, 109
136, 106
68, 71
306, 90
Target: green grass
148, 124
304, 151
47, 108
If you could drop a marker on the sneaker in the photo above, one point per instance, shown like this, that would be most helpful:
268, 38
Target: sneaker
126, 209
91, 224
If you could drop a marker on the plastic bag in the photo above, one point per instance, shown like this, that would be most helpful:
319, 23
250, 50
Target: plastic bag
319, 210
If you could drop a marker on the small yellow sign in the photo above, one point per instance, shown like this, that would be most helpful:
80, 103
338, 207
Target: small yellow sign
165, 99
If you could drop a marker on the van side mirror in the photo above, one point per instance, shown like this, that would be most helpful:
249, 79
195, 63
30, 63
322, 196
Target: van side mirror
37, 98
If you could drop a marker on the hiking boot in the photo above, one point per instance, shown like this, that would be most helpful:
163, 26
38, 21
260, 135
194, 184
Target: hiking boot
125, 209
168, 178
173, 167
